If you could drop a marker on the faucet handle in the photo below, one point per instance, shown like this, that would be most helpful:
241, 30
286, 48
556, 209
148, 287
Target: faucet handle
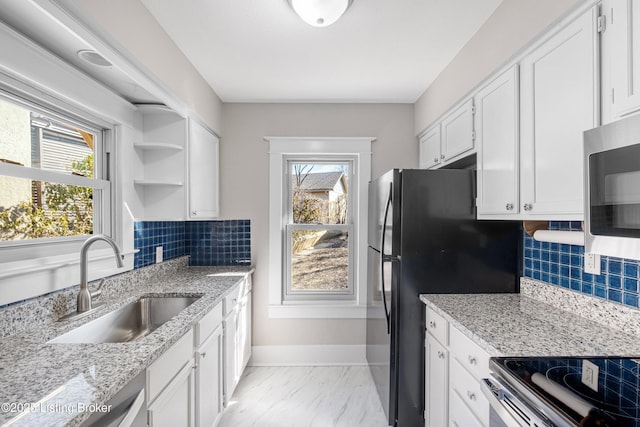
98, 291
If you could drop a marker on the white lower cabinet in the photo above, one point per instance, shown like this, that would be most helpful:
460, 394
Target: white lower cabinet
237, 335
170, 386
209, 360
460, 414
209, 368
174, 406
453, 394
436, 383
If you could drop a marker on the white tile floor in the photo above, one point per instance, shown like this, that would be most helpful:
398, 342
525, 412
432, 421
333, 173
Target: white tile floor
305, 397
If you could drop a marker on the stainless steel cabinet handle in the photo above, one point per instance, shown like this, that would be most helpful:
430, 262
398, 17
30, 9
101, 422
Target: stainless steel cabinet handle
509, 206
440, 355
472, 360
442, 156
432, 324
194, 212
471, 395
528, 207
435, 160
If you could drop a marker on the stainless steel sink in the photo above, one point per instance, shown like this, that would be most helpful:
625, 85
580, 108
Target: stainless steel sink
129, 323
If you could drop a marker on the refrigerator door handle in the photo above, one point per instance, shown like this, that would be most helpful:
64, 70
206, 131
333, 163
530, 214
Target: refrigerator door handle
384, 258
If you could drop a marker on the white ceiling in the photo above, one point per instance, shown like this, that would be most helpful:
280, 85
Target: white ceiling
379, 51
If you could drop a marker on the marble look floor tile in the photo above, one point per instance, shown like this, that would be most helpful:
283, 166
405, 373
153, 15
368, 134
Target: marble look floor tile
305, 397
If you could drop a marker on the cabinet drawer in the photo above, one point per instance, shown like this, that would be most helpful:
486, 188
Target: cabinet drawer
469, 354
162, 371
437, 326
231, 300
208, 324
468, 389
459, 414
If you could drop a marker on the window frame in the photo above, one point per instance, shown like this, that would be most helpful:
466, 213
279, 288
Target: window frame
281, 148
288, 227
100, 183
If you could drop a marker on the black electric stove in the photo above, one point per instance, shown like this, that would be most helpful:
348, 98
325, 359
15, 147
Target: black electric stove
562, 391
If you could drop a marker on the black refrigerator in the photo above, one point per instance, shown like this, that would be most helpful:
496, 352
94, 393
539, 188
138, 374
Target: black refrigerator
424, 238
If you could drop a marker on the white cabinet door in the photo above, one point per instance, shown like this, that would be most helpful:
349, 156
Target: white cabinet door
497, 137
559, 82
621, 40
436, 383
203, 172
430, 148
209, 405
230, 354
244, 330
174, 406
623, 31
457, 131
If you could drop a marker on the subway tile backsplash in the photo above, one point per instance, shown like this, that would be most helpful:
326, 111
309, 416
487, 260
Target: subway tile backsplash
563, 265
209, 243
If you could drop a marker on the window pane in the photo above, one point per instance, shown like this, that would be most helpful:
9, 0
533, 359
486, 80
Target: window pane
319, 193
319, 260
34, 209
35, 140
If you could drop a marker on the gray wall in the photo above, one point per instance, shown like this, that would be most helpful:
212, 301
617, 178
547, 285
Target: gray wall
511, 27
129, 26
244, 167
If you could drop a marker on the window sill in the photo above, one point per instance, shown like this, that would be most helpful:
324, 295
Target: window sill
318, 311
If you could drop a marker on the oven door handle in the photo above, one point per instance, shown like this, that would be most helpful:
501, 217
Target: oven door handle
508, 406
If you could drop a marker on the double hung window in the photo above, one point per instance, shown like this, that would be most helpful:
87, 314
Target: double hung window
318, 227
319, 223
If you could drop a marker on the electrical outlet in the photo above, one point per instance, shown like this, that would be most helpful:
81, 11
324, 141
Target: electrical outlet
158, 254
590, 372
591, 263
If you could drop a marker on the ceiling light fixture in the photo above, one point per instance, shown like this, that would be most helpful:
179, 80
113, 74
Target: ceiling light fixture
320, 13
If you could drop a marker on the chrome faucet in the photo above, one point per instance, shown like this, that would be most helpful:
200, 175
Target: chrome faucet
85, 296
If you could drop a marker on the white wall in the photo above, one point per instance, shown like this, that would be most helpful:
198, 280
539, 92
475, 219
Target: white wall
511, 27
129, 26
244, 164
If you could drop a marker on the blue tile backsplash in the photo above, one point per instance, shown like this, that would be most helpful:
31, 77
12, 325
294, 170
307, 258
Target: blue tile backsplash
563, 265
219, 242
209, 243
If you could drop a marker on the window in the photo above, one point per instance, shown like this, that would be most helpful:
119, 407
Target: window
317, 227
50, 176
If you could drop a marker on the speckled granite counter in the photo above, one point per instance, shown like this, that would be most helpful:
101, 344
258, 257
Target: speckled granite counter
521, 325
56, 380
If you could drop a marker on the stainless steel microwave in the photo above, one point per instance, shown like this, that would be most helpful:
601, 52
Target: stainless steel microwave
612, 189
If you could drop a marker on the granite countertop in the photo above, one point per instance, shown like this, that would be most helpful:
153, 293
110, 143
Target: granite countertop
520, 325
54, 384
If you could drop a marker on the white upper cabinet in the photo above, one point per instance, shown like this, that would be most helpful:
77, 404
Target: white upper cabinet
203, 172
457, 131
450, 139
621, 46
496, 125
430, 148
559, 101
176, 170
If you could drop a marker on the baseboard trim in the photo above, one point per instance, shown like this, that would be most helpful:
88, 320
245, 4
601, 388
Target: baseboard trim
308, 355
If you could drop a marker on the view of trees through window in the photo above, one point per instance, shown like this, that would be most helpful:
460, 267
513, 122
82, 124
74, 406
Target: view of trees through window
319, 226
48, 204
